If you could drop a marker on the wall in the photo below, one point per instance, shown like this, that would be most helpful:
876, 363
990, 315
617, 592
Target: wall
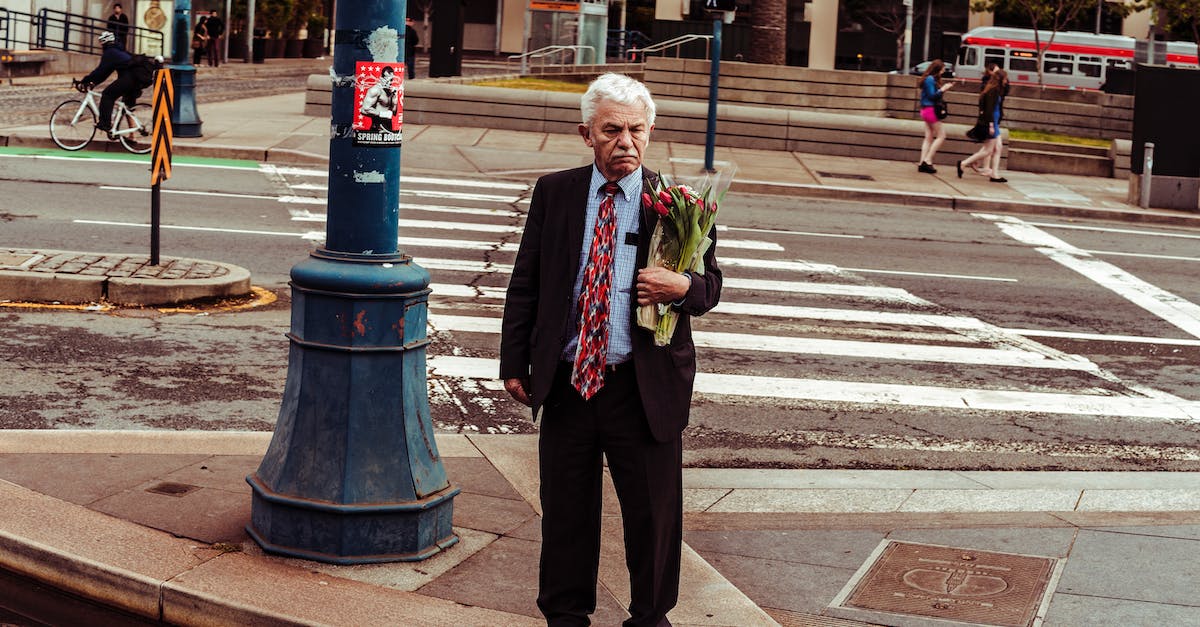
1072, 112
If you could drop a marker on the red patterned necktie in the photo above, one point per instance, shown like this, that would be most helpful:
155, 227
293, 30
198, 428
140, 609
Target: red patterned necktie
588, 373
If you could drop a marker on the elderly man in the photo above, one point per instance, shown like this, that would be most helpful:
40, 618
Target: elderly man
570, 348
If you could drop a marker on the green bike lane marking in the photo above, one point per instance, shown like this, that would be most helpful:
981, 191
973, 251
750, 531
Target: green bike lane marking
122, 155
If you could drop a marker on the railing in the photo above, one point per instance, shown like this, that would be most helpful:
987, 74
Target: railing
545, 53
619, 41
639, 54
57, 30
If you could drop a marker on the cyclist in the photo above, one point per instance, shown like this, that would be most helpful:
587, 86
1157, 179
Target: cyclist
114, 58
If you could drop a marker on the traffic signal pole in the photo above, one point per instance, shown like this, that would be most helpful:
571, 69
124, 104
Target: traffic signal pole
352, 474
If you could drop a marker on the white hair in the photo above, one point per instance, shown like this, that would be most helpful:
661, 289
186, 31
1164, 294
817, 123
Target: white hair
615, 88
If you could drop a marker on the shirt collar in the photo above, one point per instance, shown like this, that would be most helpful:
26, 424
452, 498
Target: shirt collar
631, 184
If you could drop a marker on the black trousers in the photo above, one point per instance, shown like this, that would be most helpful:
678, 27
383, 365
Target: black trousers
575, 437
123, 87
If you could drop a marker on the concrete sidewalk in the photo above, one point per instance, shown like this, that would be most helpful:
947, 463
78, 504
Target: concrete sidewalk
153, 522
273, 129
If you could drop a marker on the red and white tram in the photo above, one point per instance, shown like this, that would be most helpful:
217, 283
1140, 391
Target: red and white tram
1073, 59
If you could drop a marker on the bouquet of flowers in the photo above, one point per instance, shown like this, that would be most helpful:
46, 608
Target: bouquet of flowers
685, 218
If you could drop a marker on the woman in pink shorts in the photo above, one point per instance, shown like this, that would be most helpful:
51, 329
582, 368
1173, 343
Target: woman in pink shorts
932, 89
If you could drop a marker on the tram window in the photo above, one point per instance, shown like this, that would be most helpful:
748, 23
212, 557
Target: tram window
1089, 66
1023, 62
968, 56
993, 55
1058, 63
1121, 63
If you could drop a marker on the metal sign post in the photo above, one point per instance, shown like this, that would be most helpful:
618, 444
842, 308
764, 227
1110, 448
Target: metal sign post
160, 153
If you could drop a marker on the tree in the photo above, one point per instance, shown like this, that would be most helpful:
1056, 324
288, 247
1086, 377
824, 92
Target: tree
886, 15
1179, 15
1049, 15
768, 32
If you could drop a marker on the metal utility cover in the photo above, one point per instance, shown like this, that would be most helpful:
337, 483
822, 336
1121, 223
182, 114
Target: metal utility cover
964, 585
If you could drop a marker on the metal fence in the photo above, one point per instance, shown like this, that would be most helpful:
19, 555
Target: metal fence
57, 30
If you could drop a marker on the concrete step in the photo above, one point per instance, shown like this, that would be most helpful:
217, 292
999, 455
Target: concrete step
1046, 162
1058, 147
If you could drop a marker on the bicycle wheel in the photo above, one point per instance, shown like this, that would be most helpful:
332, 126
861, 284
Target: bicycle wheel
72, 125
134, 126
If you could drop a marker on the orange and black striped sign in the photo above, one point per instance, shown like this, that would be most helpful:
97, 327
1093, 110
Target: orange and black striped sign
160, 152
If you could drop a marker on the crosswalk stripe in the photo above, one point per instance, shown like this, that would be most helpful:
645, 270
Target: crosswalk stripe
419, 180
1174, 309
821, 346
857, 392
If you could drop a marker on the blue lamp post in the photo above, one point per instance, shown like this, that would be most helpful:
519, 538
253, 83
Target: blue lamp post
352, 474
185, 120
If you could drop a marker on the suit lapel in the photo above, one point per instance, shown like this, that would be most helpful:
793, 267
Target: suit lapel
576, 210
648, 217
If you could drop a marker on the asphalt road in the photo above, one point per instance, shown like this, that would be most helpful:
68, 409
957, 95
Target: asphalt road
849, 335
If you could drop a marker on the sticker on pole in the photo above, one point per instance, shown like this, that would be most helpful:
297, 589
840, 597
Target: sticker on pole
378, 103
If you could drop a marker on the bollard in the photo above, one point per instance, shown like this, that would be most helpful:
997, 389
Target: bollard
1147, 169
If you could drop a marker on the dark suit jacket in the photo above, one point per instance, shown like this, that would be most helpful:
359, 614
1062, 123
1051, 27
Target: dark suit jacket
539, 298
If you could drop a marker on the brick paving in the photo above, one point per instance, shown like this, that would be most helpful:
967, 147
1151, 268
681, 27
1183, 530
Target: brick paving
92, 264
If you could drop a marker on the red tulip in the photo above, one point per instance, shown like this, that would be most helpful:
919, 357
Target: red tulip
700, 203
647, 201
664, 196
661, 209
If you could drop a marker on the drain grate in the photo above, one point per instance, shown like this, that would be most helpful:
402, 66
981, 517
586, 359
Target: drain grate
845, 175
981, 587
172, 489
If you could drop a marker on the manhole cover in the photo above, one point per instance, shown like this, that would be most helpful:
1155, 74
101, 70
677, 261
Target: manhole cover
14, 260
172, 489
845, 175
980, 587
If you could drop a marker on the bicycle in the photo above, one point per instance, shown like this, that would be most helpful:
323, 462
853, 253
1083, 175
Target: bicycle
73, 123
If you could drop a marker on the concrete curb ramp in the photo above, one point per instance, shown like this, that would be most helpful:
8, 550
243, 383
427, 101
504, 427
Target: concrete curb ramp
153, 574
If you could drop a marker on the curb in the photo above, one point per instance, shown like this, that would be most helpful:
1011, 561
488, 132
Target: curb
76, 289
966, 203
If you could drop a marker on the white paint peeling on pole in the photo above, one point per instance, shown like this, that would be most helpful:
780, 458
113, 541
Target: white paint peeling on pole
384, 44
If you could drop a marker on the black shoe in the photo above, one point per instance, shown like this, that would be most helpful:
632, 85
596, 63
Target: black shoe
998, 179
925, 167
958, 166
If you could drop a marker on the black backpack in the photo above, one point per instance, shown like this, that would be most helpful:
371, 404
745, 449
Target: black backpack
143, 69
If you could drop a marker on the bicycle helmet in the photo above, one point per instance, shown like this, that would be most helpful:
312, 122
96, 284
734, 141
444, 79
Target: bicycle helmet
107, 37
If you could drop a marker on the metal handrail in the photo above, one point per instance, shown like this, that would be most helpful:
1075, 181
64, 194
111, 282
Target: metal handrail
676, 43
542, 53
52, 29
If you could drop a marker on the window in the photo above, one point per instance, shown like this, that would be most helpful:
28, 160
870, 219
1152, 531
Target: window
1121, 63
1058, 63
968, 56
1022, 61
1089, 66
993, 55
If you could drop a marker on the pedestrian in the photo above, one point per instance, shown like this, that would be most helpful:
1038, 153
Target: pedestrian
604, 390
199, 40
215, 27
410, 48
999, 147
118, 25
932, 89
989, 119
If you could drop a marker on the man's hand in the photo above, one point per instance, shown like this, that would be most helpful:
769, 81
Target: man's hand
660, 285
518, 389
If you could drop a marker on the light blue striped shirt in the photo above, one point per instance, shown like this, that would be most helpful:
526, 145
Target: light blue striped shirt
626, 203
